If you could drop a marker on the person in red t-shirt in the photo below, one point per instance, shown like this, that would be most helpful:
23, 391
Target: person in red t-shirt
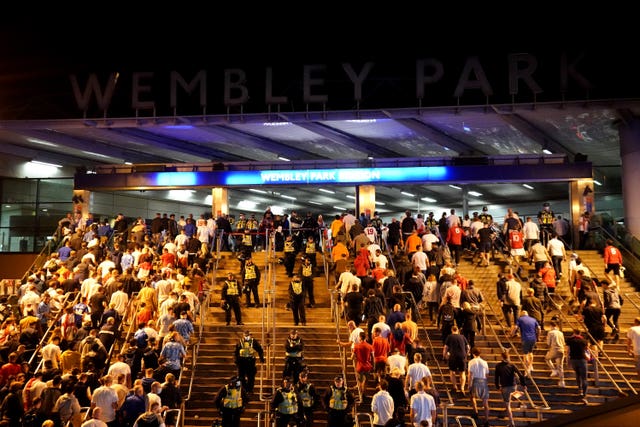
454, 241
381, 350
516, 241
549, 277
612, 261
363, 354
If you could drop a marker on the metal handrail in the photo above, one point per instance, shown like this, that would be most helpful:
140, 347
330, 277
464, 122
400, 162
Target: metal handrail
336, 319
572, 320
45, 335
513, 348
39, 260
630, 298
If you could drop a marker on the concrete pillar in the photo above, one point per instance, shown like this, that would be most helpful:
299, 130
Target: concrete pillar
366, 199
465, 203
581, 200
219, 201
629, 133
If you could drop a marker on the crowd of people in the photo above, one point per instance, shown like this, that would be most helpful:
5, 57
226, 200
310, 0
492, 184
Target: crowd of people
164, 266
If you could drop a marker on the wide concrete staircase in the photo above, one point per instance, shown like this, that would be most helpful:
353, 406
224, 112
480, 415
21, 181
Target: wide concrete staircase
215, 361
545, 398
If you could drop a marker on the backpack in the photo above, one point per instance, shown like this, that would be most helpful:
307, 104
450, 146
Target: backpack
447, 313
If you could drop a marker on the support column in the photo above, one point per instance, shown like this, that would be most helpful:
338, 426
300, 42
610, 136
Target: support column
465, 203
629, 133
581, 200
219, 201
366, 198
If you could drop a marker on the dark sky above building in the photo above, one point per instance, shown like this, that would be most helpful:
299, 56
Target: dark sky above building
37, 53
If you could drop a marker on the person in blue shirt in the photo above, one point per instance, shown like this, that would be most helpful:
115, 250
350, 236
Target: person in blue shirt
529, 333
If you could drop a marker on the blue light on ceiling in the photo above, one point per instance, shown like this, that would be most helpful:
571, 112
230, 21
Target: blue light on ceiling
170, 179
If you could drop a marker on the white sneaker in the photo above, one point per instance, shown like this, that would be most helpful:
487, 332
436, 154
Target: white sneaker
561, 384
554, 373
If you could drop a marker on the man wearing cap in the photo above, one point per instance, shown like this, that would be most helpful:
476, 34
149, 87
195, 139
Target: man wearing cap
245, 357
337, 401
308, 397
294, 348
285, 403
251, 280
231, 299
545, 220
231, 400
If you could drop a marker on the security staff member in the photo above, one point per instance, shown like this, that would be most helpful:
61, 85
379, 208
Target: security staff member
293, 347
337, 401
296, 300
231, 400
247, 244
245, 355
310, 252
285, 403
231, 299
251, 279
545, 221
308, 399
306, 274
289, 255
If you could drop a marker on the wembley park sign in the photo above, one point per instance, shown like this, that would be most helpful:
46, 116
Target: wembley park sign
425, 80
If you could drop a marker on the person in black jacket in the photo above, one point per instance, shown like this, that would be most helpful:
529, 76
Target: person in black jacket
507, 378
245, 355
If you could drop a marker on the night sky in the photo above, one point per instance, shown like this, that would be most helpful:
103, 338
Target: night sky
38, 53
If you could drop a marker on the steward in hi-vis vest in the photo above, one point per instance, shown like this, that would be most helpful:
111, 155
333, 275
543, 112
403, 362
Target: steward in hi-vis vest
337, 401
231, 400
230, 299
247, 350
285, 403
296, 300
251, 280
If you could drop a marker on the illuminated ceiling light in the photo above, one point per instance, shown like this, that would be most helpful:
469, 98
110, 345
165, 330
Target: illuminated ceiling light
546, 151
7, 206
407, 194
455, 186
257, 191
326, 191
465, 128
128, 163
247, 204
369, 157
362, 121
277, 210
182, 195
475, 193
179, 127
339, 208
284, 159
527, 186
41, 142
428, 199
284, 196
315, 203
208, 200
596, 182
380, 203
276, 123
349, 196
96, 154
51, 165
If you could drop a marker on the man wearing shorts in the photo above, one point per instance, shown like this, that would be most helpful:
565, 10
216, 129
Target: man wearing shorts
529, 333
478, 372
